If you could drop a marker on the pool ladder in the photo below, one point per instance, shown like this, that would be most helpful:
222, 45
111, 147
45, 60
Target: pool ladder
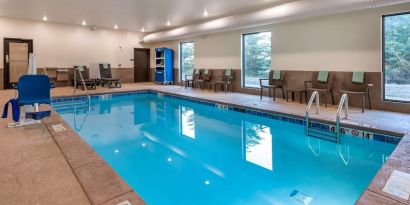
84, 85
321, 133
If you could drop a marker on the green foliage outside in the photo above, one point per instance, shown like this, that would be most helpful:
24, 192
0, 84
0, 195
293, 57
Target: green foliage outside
397, 49
397, 56
257, 57
187, 58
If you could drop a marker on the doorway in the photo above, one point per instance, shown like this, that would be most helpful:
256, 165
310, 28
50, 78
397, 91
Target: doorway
141, 65
16, 54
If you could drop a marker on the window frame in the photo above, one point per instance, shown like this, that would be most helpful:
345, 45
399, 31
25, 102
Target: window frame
243, 56
383, 86
180, 57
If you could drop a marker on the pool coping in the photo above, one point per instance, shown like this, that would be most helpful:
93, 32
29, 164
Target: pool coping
398, 160
101, 184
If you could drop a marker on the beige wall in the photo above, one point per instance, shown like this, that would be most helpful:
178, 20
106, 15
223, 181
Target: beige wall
64, 45
341, 42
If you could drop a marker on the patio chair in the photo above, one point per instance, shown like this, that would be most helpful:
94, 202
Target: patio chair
90, 83
225, 80
358, 87
205, 78
190, 79
196, 77
322, 82
275, 81
106, 77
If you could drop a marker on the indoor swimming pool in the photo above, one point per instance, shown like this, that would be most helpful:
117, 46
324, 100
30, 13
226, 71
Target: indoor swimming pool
171, 150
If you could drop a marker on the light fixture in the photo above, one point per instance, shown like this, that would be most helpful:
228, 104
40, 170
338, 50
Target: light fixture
115, 27
169, 159
205, 13
168, 23
84, 23
207, 182
143, 29
45, 18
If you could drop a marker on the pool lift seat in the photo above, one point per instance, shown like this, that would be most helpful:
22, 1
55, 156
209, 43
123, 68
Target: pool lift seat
32, 91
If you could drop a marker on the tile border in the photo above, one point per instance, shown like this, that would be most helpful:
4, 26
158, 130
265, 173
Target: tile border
101, 184
373, 134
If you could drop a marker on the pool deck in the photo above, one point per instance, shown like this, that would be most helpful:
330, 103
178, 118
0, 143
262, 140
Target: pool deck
39, 165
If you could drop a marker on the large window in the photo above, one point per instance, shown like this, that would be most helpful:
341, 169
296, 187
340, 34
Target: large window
396, 57
256, 58
186, 60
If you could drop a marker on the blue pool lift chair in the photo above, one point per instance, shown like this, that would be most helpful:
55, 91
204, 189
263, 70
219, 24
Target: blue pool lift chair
33, 90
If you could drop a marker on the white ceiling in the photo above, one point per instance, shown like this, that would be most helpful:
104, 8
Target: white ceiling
288, 11
129, 14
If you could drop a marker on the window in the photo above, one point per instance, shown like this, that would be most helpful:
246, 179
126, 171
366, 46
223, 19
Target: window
396, 57
256, 58
186, 60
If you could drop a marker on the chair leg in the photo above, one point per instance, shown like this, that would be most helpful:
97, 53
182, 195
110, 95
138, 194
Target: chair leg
326, 100
368, 100
261, 93
283, 93
363, 102
333, 99
274, 94
270, 92
287, 96
226, 88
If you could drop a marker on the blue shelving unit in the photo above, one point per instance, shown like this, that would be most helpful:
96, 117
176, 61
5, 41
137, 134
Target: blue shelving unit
164, 66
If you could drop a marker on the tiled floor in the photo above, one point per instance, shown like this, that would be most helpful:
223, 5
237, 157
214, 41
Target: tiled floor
33, 169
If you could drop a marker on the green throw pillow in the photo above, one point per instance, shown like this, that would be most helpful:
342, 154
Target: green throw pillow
322, 76
358, 77
276, 74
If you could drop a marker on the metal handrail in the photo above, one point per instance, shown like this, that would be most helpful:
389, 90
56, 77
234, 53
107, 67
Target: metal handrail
315, 96
344, 102
85, 87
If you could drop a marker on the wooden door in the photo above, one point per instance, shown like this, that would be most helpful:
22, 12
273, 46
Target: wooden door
141, 65
16, 55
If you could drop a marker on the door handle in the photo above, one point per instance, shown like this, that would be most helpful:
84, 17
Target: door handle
7, 58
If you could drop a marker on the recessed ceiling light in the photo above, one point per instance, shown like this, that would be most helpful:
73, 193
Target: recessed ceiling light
205, 13
115, 27
45, 18
84, 23
168, 23
142, 29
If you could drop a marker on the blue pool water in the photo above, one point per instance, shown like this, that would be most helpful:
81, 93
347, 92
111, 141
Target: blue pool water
173, 151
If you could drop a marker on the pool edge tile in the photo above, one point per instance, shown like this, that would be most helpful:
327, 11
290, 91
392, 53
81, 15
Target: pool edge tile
98, 180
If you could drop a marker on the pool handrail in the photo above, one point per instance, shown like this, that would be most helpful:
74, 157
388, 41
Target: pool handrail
314, 96
84, 85
344, 102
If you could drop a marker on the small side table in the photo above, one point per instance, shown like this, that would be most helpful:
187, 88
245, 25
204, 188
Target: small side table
300, 92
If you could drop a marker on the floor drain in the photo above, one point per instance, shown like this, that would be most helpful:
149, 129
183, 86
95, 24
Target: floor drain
300, 197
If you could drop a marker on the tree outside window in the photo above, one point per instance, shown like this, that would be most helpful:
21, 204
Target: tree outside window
396, 57
256, 48
187, 53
